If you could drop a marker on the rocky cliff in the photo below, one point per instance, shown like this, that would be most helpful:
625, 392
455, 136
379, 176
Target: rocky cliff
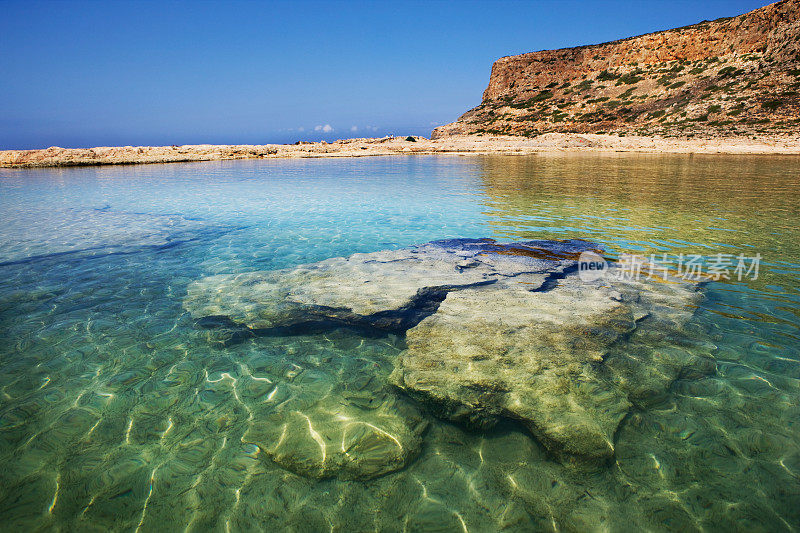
731, 76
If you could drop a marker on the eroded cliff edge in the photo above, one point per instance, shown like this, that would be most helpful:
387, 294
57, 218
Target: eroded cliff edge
733, 76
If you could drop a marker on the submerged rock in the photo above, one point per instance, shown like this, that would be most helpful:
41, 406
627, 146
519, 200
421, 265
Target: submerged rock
510, 352
321, 434
540, 357
391, 290
493, 330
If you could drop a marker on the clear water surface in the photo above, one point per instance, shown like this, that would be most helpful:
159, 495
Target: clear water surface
115, 413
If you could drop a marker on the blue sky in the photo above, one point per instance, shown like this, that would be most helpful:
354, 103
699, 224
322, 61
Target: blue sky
136, 73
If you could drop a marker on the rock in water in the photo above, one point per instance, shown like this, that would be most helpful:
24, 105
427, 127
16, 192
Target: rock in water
329, 435
506, 351
493, 330
389, 290
539, 357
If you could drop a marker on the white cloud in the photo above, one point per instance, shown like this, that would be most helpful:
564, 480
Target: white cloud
301, 128
354, 129
317, 128
327, 128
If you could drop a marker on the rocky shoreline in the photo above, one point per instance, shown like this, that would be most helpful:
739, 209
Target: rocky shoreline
733, 77
362, 147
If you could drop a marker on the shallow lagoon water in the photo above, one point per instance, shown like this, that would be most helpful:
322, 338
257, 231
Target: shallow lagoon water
117, 413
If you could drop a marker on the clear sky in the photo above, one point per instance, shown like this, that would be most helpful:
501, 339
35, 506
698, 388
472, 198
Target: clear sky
79, 74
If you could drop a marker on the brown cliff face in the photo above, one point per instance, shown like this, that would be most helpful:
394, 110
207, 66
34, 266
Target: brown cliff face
732, 76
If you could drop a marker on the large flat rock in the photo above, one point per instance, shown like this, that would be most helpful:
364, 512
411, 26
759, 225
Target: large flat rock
388, 289
540, 357
493, 331
507, 351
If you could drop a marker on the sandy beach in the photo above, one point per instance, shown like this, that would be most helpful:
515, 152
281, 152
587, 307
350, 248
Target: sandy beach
362, 147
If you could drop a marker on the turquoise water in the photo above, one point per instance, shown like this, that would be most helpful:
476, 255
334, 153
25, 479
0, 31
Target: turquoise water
116, 413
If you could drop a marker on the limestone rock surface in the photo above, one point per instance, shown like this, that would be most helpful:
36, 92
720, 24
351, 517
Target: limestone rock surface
492, 330
336, 433
389, 290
